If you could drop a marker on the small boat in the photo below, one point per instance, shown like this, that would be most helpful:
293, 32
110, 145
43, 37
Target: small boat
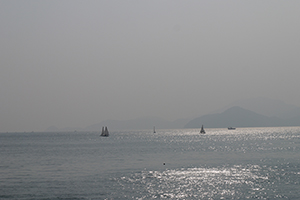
154, 129
231, 128
202, 130
104, 132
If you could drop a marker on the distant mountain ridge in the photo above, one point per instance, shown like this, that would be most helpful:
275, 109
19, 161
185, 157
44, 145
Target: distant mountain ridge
266, 106
133, 124
240, 117
140, 123
244, 113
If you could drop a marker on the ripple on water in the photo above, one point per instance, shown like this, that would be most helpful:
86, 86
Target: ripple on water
236, 182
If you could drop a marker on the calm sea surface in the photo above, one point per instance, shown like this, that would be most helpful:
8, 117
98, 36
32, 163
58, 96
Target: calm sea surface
246, 163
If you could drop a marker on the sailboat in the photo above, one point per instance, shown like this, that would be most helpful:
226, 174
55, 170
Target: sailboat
104, 132
154, 129
202, 130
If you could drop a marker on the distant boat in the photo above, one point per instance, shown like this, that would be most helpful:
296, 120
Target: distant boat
231, 128
202, 130
104, 132
154, 129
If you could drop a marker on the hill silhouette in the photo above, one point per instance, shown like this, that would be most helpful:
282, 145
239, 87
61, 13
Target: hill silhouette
237, 117
133, 124
140, 123
266, 106
256, 112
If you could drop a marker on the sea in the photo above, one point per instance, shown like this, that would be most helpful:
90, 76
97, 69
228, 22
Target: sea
246, 163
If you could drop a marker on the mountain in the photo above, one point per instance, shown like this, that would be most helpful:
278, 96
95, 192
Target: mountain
237, 117
243, 113
65, 129
140, 123
266, 106
52, 129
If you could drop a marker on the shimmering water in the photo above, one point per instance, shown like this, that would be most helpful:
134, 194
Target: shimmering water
246, 163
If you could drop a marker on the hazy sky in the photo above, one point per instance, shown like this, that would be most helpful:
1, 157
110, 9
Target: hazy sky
76, 63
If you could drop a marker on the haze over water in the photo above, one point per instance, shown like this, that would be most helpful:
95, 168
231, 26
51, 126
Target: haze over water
77, 63
72, 63
246, 163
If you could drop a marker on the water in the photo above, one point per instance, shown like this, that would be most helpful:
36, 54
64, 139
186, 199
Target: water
246, 163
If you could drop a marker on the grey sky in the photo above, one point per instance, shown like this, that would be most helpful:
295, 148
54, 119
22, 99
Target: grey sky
75, 63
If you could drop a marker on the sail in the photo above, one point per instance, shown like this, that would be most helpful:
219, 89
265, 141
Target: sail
104, 131
202, 130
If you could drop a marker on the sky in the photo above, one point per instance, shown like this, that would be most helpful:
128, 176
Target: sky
75, 63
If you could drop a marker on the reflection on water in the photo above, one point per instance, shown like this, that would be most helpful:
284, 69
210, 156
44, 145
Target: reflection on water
247, 163
236, 182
